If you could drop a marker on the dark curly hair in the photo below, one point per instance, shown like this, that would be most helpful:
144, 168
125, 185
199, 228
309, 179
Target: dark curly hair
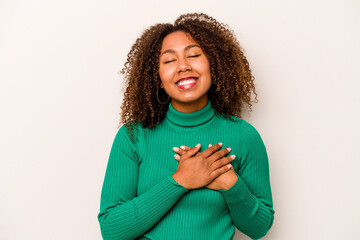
232, 82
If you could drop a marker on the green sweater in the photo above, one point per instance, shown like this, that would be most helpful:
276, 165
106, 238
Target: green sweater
141, 200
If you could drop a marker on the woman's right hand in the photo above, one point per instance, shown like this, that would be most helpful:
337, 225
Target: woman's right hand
197, 169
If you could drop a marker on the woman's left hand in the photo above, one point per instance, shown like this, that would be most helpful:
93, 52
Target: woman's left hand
222, 182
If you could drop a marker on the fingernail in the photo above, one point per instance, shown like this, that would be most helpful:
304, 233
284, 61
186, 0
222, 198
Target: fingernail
210, 145
177, 156
220, 144
232, 156
197, 145
175, 149
229, 166
229, 149
182, 147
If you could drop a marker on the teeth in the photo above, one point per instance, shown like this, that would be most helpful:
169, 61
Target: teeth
184, 82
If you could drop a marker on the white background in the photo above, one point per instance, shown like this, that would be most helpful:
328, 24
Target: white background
60, 98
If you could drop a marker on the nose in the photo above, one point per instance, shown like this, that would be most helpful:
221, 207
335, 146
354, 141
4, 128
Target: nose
183, 65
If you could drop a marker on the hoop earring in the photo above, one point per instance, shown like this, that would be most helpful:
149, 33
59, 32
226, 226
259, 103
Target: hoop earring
157, 96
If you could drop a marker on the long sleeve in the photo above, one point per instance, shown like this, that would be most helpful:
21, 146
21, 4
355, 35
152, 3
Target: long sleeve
249, 199
123, 214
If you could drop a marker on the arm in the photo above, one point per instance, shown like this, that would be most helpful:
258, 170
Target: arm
249, 199
123, 214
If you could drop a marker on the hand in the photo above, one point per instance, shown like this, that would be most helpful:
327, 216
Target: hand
222, 182
197, 169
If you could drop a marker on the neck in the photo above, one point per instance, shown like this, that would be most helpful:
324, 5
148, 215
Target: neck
191, 106
190, 119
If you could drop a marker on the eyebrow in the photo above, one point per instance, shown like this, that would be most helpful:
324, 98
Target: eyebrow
172, 50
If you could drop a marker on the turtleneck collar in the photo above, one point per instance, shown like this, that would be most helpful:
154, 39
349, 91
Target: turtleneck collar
190, 119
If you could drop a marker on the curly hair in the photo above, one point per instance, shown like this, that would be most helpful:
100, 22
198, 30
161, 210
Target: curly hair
232, 81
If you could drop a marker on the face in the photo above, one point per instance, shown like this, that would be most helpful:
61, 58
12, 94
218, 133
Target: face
184, 70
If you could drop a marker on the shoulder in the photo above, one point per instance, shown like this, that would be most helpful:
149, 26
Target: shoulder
127, 134
131, 129
249, 130
251, 137
244, 130
123, 142
239, 124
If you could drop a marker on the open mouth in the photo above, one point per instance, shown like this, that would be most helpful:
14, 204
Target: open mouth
187, 83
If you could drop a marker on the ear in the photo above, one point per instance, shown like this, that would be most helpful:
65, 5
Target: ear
161, 85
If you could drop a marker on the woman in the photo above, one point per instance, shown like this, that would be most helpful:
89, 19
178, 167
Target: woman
186, 86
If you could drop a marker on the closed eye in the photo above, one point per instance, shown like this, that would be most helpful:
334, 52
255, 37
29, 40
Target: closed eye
189, 56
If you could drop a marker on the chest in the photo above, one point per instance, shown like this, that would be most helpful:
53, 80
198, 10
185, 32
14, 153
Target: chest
156, 158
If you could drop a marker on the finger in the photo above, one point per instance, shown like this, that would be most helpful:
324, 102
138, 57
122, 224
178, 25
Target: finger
192, 151
212, 149
179, 151
219, 154
220, 171
186, 148
221, 162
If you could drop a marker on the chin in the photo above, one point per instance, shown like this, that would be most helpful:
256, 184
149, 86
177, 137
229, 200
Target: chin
189, 99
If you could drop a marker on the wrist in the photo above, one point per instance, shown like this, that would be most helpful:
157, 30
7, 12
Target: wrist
231, 183
178, 180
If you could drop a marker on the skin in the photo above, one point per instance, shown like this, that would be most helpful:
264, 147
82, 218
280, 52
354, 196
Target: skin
222, 182
180, 57
197, 169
